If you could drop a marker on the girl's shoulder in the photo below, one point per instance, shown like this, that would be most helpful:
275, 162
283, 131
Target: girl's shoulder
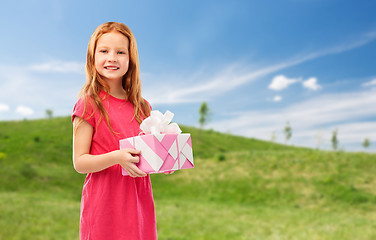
85, 107
86, 101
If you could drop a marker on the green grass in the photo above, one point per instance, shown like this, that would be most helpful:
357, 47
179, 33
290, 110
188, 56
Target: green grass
240, 188
38, 215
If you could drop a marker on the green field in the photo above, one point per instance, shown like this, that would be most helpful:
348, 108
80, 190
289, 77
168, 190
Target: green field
239, 189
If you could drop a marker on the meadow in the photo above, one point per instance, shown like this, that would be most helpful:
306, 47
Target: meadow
240, 188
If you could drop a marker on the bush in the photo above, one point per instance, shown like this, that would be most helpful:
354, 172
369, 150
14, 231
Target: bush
221, 157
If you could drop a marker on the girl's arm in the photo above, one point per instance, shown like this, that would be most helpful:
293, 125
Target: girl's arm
86, 163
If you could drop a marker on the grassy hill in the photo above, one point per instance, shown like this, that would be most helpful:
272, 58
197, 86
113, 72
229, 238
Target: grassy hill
240, 188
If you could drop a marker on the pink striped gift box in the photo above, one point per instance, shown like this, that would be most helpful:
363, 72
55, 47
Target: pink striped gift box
161, 152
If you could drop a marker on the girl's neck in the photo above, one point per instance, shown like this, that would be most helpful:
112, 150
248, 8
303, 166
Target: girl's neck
117, 90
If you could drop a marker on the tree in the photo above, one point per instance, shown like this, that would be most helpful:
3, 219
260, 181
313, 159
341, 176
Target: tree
273, 137
335, 140
49, 113
287, 131
204, 112
366, 143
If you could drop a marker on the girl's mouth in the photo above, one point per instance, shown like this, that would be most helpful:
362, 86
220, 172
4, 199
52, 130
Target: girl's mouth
111, 68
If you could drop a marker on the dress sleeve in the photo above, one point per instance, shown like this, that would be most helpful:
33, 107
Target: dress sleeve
86, 114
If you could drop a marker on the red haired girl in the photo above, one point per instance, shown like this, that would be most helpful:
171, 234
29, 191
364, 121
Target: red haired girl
111, 108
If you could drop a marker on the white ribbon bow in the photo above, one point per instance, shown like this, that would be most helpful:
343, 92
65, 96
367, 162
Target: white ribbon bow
158, 123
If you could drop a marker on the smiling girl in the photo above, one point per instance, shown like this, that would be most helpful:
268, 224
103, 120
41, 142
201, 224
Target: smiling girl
111, 108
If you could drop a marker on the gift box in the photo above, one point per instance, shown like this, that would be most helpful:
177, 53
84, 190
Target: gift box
163, 147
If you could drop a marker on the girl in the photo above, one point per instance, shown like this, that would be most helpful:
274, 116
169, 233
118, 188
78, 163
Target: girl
111, 108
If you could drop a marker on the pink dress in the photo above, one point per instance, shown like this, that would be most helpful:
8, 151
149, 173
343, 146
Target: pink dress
114, 206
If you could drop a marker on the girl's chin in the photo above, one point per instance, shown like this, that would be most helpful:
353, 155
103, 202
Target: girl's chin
111, 78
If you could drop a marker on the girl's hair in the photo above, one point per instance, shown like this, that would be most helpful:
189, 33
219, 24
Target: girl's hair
131, 80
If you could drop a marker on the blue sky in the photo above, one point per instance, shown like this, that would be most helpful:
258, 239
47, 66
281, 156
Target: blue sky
258, 64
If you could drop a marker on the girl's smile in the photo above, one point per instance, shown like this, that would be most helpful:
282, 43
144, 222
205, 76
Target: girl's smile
111, 67
112, 56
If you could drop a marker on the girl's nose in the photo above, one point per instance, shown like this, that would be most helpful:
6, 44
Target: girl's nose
112, 57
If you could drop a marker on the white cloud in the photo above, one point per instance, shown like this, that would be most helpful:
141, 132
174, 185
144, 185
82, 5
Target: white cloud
197, 90
59, 66
326, 112
24, 111
311, 84
230, 78
281, 82
277, 98
4, 107
370, 83
50, 90
357, 132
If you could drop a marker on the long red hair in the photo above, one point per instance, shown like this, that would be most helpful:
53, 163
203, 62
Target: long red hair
131, 80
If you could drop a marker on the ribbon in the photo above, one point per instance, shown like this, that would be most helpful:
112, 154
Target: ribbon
158, 123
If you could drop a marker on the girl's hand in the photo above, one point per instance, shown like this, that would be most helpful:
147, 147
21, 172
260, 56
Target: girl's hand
169, 172
128, 158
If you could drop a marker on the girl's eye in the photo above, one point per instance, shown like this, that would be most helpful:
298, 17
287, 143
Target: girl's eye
103, 51
122, 52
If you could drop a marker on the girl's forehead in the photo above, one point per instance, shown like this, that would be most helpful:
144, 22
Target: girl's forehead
113, 38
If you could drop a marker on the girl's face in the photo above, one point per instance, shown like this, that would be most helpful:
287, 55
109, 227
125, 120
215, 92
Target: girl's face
111, 56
